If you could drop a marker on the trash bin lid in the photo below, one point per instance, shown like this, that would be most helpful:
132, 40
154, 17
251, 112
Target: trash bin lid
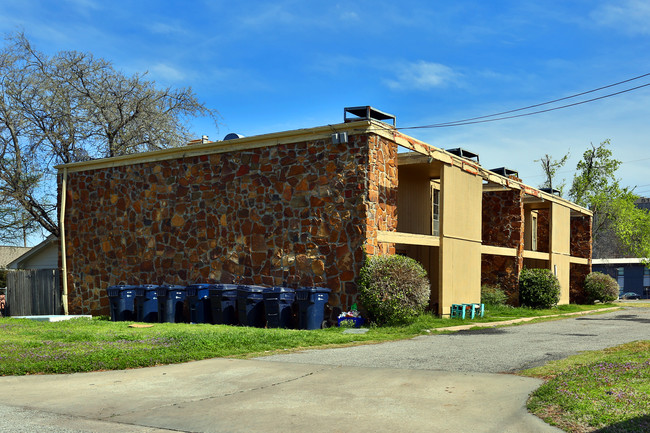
197, 289
166, 288
173, 287
314, 289
122, 287
140, 290
251, 289
280, 289
200, 286
225, 287
116, 290
279, 293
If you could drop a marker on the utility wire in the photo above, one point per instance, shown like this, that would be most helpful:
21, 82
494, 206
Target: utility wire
470, 122
549, 102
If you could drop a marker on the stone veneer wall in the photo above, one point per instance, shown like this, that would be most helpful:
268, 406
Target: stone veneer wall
382, 190
581, 246
292, 213
503, 226
581, 242
578, 273
501, 271
503, 218
543, 230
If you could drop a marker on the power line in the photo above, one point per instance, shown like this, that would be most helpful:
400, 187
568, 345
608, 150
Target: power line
480, 119
461, 123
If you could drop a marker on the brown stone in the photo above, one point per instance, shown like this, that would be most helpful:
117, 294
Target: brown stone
258, 259
296, 170
303, 185
258, 243
177, 221
318, 267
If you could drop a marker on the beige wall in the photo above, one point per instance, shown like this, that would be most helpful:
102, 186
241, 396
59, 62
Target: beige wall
560, 247
414, 203
460, 243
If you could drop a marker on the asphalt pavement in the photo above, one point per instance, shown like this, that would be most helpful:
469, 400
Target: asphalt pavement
436, 383
491, 350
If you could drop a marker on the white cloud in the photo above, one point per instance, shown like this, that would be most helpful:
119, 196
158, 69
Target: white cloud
274, 14
166, 28
334, 64
166, 73
422, 76
85, 4
630, 16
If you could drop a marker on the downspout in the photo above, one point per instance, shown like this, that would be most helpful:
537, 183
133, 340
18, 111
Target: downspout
64, 295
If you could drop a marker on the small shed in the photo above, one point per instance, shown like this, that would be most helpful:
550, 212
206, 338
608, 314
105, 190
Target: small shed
43, 256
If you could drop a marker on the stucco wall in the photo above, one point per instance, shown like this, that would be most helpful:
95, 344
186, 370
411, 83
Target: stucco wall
292, 213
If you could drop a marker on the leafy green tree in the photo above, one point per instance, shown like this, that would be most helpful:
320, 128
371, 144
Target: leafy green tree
595, 176
596, 187
73, 107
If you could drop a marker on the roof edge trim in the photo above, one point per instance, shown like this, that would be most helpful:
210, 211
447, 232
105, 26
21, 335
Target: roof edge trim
214, 147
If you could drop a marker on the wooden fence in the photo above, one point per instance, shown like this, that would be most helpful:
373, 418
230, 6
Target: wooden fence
34, 292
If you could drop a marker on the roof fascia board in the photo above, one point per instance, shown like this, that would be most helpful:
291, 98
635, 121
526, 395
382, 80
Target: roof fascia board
239, 144
471, 166
321, 132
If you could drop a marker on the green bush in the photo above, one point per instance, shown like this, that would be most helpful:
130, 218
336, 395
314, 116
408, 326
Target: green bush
538, 288
493, 295
393, 289
600, 287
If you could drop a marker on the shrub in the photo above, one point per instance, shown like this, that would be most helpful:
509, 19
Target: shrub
493, 295
393, 289
600, 287
538, 288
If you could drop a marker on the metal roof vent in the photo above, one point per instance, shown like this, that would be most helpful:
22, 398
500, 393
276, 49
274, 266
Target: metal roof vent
232, 136
550, 191
366, 113
463, 153
503, 171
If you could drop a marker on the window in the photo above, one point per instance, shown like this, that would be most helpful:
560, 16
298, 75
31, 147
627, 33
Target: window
620, 277
533, 233
646, 277
435, 209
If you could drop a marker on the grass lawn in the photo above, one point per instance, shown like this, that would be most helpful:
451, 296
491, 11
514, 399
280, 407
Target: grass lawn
604, 391
29, 347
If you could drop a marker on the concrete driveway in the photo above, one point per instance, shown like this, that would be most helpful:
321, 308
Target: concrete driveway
359, 389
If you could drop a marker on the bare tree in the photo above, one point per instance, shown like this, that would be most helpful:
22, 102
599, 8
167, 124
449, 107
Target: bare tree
550, 167
72, 107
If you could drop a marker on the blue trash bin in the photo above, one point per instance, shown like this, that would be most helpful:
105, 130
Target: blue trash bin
122, 299
311, 306
146, 303
223, 301
277, 304
198, 297
250, 305
171, 304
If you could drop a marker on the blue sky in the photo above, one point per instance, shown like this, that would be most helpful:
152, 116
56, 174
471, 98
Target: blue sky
274, 66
